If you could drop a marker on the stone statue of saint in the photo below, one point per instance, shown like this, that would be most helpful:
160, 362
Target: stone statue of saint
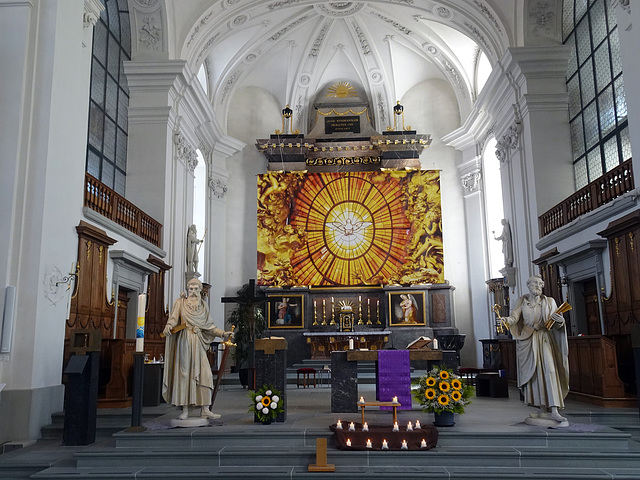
192, 250
507, 245
542, 353
188, 380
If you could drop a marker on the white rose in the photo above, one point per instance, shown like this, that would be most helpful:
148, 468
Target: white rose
265, 410
258, 398
268, 392
258, 406
274, 405
275, 398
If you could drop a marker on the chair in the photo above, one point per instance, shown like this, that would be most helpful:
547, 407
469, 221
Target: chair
306, 373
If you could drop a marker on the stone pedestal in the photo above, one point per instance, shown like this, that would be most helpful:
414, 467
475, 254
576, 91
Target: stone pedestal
344, 384
271, 368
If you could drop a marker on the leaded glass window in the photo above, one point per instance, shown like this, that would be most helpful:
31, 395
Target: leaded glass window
109, 98
597, 106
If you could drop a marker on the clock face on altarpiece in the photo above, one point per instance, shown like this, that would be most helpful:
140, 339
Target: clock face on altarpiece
341, 229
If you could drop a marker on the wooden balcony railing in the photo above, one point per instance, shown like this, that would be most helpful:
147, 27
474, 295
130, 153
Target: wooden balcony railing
611, 185
100, 198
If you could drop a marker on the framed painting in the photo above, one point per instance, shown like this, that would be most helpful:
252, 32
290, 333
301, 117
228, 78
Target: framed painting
407, 309
287, 312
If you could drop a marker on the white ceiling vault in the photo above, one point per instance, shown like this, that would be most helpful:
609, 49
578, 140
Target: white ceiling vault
295, 48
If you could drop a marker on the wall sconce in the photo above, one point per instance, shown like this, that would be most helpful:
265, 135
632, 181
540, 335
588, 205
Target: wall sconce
287, 113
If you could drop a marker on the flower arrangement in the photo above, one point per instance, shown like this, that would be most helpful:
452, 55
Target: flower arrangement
441, 390
266, 403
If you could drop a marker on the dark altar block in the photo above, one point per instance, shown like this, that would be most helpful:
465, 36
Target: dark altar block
423, 438
271, 368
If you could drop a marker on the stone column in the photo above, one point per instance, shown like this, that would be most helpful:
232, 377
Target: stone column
271, 367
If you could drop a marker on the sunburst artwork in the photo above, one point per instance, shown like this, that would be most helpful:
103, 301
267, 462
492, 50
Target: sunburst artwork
341, 90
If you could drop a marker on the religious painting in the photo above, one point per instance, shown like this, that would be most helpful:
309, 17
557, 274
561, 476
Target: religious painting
407, 309
286, 312
349, 228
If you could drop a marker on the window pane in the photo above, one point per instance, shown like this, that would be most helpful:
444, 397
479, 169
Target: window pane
625, 143
121, 150
114, 17
96, 118
580, 171
583, 40
603, 68
100, 42
107, 174
109, 139
93, 164
616, 59
607, 112
123, 107
573, 88
611, 16
113, 62
97, 83
611, 157
598, 23
119, 182
577, 137
125, 32
573, 59
595, 164
567, 17
111, 104
581, 9
588, 86
591, 132
621, 102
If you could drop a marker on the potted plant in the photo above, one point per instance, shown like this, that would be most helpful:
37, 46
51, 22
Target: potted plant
250, 324
266, 403
442, 392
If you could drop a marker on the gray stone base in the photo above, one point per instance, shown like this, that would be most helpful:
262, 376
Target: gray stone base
190, 422
545, 422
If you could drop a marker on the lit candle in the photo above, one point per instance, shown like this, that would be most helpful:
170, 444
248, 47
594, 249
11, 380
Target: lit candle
323, 302
361, 399
404, 445
339, 425
351, 344
365, 427
423, 444
418, 424
368, 301
348, 442
359, 298
434, 344
352, 427
314, 304
369, 443
409, 427
395, 427
395, 399
385, 445
142, 302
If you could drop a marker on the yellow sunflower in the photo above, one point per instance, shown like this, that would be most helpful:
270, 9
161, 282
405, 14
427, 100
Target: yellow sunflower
443, 400
456, 396
430, 393
430, 382
266, 401
444, 375
456, 384
444, 386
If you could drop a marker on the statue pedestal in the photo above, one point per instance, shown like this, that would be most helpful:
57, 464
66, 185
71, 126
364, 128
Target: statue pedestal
271, 368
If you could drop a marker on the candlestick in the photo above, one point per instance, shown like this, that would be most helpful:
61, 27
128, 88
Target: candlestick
368, 311
378, 312
324, 313
395, 427
352, 427
339, 425
348, 442
423, 444
369, 443
418, 424
404, 445
142, 303
315, 313
385, 445
409, 427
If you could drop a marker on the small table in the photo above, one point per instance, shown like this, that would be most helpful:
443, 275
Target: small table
395, 406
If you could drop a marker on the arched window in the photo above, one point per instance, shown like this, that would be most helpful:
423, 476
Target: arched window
109, 100
597, 105
200, 206
493, 206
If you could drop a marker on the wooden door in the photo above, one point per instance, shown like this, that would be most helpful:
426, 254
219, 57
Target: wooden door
590, 296
121, 321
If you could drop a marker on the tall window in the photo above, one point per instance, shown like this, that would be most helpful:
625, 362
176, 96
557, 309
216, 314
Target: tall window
493, 206
109, 101
200, 207
597, 106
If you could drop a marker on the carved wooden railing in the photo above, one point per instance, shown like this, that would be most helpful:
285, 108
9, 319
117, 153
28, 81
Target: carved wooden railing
602, 190
100, 198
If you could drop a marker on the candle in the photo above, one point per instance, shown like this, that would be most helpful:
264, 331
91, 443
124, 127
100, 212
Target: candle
314, 304
365, 427
395, 399
348, 442
368, 301
359, 298
352, 427
423, 444
404, 445
434, 344
142, 302
409, 427
395, 427
418, 424
351, 344
361, 399
323, 302
385, 445
369, 443
339, 425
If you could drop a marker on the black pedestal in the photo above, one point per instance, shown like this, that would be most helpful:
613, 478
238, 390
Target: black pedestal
152, 384
81, 399
271, 368
344, 384
491, 385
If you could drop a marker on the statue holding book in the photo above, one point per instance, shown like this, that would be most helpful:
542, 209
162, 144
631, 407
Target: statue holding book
542, 352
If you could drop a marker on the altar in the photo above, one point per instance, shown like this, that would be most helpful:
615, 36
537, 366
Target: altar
323, 343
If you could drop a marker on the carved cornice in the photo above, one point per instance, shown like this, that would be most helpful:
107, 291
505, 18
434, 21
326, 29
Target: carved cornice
185, 152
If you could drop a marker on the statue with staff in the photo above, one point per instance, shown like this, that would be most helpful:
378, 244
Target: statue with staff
193, 249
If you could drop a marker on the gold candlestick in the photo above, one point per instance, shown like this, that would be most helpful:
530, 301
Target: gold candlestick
360, 311
333, 313
315, 314
368, 311
378, 313
324, 312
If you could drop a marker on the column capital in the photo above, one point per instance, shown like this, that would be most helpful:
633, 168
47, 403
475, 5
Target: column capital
92, 11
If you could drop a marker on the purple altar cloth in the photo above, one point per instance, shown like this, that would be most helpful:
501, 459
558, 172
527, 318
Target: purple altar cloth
394, 378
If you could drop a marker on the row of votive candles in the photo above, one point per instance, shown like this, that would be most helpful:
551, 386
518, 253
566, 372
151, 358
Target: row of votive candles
385, 444
394, 400
365, 426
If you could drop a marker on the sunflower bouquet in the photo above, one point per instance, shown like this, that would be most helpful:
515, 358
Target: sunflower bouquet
266, 403
441, 390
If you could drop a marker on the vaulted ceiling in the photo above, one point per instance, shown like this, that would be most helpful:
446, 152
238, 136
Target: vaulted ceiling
295, 48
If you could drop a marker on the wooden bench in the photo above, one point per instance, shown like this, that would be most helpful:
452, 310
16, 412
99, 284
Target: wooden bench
395, 406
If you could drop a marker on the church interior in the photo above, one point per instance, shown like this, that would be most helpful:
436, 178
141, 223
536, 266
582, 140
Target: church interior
368, 173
